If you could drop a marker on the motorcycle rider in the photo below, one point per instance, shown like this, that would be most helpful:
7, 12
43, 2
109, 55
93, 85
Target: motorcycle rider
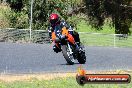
54, 20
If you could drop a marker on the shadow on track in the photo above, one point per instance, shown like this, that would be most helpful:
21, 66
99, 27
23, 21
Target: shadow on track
68, 64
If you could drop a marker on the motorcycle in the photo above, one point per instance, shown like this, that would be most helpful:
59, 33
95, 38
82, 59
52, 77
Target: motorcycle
66, 43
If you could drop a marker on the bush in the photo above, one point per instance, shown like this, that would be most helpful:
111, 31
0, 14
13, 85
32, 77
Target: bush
16, 5
17, 19
4, 22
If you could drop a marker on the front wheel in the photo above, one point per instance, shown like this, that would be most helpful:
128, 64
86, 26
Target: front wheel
67, 55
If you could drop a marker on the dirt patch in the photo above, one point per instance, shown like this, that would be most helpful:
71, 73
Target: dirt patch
50, 76
28, 77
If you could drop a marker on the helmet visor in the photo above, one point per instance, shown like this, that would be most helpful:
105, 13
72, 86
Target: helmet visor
53, 21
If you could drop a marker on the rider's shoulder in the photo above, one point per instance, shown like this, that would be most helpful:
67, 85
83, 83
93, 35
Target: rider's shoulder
63, 23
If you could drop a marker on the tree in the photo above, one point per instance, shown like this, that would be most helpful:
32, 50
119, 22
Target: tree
119, 10
58, 6
43, 8
40, 12
16, 5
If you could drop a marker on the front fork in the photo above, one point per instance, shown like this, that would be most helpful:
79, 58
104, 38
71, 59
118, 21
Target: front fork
77, 48
69, 47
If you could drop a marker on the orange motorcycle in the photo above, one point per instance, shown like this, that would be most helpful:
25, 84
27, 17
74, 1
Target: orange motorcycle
70, 50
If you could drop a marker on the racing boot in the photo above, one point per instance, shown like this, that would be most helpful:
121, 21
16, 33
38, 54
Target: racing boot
56, 49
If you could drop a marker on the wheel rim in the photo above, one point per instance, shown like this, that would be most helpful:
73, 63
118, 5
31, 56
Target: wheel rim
70, 56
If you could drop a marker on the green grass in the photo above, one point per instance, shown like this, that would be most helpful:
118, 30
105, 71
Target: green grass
96, 40
124, 42
105, 40
82, 26
58, 83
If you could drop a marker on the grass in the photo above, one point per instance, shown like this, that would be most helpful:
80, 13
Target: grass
96, 40
82, 26
102, 39
56, 80
105, 40
124, 42
69, 82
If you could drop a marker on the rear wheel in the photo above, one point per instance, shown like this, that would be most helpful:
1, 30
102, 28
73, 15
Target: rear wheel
82, 58
68, 55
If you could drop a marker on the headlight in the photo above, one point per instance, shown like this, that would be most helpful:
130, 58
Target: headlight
63, 37
57, 40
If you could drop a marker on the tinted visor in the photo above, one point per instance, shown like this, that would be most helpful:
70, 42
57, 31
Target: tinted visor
53, 21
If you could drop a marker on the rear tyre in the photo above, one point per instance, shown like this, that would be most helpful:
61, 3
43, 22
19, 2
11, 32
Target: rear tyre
66, 53
82, 57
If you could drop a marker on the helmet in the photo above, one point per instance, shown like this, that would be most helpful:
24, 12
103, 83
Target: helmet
54, 18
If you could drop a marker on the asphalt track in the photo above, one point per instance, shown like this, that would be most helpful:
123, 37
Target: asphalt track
39, 58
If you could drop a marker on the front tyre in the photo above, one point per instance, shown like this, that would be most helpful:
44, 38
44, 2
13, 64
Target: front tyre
67, 55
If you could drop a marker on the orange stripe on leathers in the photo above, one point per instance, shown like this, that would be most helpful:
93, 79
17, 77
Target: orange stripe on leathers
53, 36
64, 32
70, 37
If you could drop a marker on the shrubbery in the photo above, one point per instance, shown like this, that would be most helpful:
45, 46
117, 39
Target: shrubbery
120, 11
17, 19
96, 10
